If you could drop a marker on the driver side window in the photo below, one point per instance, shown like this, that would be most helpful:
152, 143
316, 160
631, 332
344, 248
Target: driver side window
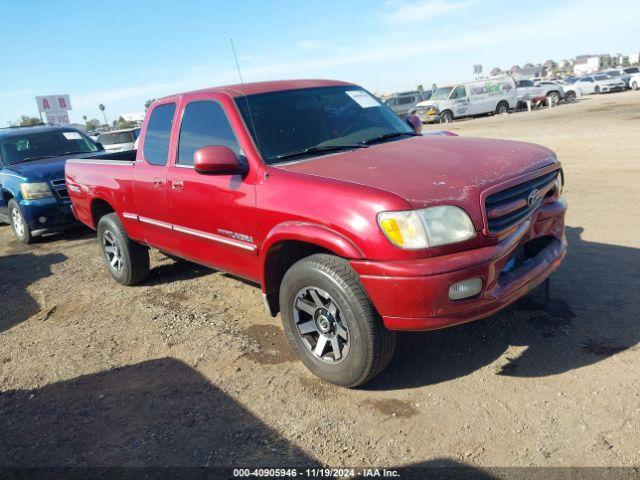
459, 92
204, 124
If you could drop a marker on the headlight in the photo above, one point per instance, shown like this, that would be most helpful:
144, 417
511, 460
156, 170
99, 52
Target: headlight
33, 191
430, 227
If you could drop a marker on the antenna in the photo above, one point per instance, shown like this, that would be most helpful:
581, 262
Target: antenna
246, 99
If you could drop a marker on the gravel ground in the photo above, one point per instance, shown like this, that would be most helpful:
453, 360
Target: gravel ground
188, 369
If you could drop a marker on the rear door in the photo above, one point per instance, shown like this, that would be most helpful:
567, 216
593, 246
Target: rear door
150, 178
214, 214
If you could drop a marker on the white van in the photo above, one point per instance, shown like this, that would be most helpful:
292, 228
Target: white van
494, 95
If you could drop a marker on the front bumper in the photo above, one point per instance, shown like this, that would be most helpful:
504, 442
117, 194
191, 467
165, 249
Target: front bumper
47, 215
429, 118
414, 295
612, 88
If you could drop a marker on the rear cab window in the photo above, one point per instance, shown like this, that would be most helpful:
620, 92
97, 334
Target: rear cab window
158, 134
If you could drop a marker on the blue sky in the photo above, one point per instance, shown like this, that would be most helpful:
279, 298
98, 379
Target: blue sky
121, 53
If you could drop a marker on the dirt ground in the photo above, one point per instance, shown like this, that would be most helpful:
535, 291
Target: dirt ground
188, 369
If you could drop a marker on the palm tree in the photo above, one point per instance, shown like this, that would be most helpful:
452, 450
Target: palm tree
102, 108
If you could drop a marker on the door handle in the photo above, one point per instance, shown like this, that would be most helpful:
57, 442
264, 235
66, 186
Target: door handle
158, 183
177, 185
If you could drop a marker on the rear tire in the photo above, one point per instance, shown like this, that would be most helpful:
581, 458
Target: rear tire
126, 260
330, 322
635, 86
570, 96
446, 116
554, 97
502, 108
18, 224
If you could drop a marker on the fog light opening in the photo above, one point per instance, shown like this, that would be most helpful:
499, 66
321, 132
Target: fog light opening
465, 289
43, 219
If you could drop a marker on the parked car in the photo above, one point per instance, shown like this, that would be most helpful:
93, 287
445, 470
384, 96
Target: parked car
404, 103
571, 92
619, 74
34, 199
354, 225
496, 95
599, 83
634, 81
528, 89
119, 140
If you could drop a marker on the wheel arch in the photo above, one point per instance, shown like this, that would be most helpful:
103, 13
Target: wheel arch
100, 208
289, 242
7, 195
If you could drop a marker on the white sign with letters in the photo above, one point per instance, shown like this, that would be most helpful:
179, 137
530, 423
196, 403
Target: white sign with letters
57, 117
51, 103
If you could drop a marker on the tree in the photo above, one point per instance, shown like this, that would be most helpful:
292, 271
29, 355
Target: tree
420, 88
148, 103
122, 123
27, 121
92, 124
102, 109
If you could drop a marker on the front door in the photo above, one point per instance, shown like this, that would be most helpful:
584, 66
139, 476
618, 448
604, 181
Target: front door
213, 214
150, 180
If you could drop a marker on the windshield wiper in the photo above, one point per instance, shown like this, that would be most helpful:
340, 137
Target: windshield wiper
385, 136
28, 159
320, 148
74, 153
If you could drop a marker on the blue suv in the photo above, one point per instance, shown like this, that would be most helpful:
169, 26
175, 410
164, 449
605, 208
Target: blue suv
34, 197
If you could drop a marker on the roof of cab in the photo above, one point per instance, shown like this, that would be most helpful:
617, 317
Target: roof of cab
265, 87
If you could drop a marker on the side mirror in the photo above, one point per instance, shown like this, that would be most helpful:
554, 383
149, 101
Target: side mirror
100, 146
414, 122
217, 160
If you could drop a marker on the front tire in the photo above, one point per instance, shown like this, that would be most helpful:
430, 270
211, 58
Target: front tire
570, 96
446, 116
502, 108
126, 260
18, 224
331, 323
597, 89
554, 97
635, 86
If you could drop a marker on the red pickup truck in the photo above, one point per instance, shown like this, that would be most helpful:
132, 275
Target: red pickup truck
354, 225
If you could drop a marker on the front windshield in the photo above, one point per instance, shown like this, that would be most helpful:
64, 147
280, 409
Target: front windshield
441, 93
115, 138
52, 143
316, 118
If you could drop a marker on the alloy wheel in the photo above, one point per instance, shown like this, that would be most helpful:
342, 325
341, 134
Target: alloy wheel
320, 325
18, 224
112, 251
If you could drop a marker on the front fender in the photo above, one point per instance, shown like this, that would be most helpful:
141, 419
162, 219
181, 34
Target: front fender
309, 233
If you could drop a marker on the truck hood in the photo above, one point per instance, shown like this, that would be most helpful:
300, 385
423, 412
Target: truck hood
45, 169
431, 170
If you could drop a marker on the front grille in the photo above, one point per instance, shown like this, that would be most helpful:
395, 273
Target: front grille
60, 187
507, 208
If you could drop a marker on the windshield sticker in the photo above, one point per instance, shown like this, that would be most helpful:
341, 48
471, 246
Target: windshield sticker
72, 135
363, 99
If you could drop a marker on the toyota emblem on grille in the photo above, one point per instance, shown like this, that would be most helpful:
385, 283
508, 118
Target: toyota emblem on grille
533, 198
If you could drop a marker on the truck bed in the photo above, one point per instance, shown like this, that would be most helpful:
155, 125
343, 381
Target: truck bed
106, 176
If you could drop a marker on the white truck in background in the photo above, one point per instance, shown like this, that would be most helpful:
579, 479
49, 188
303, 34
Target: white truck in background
494, 95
